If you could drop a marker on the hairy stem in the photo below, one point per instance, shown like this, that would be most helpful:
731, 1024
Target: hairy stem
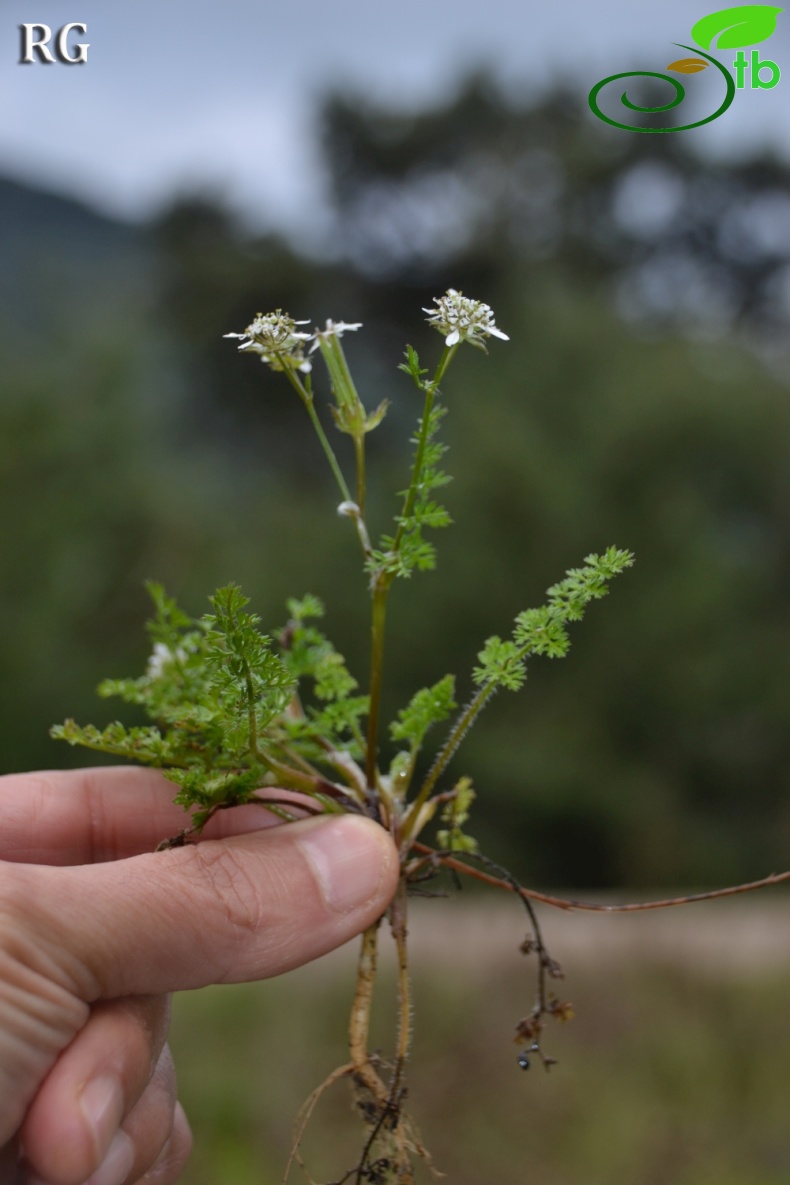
398, 918
416, 473
422, 441
359, 1025
443, 757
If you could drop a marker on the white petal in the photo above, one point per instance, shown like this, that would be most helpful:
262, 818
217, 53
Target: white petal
452, 338
498, 333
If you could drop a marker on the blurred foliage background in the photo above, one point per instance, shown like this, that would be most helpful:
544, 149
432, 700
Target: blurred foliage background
642, 401
673, 1071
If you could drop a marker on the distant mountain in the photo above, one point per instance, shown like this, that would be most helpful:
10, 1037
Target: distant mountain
60, 258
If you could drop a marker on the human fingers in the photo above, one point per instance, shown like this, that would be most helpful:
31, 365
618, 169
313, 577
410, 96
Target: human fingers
243, 908
168, 1167
85, 816
158, 1131
153, 1136
246, 907
97, 1080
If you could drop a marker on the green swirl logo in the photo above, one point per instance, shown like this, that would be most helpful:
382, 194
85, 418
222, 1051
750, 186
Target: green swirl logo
731, 28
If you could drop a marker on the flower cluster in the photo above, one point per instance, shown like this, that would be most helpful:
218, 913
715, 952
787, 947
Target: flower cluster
333, 329
275, 337
460, 319
278, 341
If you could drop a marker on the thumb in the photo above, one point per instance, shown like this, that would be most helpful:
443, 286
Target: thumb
221, 911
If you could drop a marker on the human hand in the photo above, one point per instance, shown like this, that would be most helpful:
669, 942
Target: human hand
95, 928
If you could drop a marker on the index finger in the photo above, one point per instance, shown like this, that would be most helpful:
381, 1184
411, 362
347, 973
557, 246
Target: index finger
85, 816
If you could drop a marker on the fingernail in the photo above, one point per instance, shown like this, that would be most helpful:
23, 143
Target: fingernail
102, 1105
348, 862
117, 1164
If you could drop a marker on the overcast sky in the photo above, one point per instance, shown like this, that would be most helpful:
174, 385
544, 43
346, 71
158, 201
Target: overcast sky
181, 94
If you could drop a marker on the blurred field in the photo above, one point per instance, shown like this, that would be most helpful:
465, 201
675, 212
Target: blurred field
674, 1071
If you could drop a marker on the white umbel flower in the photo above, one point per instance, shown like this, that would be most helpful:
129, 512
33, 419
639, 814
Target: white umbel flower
333, 329
460, 319
275, 337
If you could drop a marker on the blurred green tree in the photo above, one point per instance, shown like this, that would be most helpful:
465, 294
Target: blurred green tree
642, 400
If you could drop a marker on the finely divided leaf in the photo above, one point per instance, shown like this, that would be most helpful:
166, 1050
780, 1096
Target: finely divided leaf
212, 687
168, 620
412, 366
408, 551
542, 630
247, 675
426, 707
304, 607
308, 654
501, 665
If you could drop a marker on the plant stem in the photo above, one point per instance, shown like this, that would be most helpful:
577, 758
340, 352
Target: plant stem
382, 580
378, 620
307, 399
251, 720
363, 997
359, 1025
457, 733
359, 453
398, 916
294, 779
416, 473
354, 510
447, 356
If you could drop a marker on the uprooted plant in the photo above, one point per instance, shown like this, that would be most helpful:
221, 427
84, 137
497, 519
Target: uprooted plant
236, 712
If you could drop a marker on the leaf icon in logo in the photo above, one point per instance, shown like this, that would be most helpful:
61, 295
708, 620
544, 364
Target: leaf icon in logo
746, 24
688, 65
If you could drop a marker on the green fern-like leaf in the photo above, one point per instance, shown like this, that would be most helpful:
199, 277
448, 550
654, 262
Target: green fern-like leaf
428, 706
